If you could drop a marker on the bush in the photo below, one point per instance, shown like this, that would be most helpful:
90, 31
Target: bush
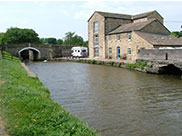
111, 63
79, 60
100, 62
119, 64
93, 61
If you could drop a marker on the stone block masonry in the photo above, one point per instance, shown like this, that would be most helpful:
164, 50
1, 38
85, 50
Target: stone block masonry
46, 51
160, 54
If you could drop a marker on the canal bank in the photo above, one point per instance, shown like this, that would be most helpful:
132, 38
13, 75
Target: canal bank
115, 101
27, 109
129, 64
159, 67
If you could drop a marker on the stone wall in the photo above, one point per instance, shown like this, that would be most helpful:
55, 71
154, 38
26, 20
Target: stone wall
47, 51
160, 54
101, 35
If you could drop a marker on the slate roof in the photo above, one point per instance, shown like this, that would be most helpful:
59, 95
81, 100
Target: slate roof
131, 27
160, 39
114, 15
122, 16
143, 15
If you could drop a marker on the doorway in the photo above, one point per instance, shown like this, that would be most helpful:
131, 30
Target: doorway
118, 52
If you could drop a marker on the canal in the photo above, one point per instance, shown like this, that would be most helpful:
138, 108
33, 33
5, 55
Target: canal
116, 101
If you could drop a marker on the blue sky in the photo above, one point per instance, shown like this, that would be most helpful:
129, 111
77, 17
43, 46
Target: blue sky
54, 19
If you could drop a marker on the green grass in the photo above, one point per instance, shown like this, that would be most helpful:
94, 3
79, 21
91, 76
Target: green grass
28, 110
8, 56
138, 64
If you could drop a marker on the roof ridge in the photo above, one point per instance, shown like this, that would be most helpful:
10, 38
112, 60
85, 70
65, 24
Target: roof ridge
123, 16
112, 13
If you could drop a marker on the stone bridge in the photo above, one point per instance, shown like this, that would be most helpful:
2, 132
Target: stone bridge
162, 61
38, 51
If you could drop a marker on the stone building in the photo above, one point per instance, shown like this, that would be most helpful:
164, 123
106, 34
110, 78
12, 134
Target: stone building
120, 36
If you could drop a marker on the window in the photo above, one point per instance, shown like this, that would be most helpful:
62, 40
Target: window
129, 35
110, 50
96, 27
129, 50
110, 38
118, 37
96, 52
110, 53
96, 39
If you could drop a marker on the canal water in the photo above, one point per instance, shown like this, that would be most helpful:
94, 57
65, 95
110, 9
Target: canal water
116, 101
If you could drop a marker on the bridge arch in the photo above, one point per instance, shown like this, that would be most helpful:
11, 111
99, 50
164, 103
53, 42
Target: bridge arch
29, 53
171, 69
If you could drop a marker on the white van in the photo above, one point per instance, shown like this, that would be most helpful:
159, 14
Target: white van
79, 51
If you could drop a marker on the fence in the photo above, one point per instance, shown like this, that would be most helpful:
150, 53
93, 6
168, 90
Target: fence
8, 56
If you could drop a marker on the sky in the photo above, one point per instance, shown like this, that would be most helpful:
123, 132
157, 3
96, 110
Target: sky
55, 18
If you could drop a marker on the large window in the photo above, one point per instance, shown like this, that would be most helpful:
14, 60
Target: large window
96, 27
129, 50
96, 39
96, 52
129, 36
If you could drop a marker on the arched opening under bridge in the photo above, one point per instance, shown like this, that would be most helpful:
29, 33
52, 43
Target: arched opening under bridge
171, 70
29, 53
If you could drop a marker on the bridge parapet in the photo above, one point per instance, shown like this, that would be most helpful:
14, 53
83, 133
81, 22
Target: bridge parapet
46, 51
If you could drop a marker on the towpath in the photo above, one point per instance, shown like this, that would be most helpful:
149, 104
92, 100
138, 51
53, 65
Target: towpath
29, 72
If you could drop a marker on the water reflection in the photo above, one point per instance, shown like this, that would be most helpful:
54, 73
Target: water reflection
116, 101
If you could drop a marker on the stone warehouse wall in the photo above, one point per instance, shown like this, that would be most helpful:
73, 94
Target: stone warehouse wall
100, 33
160, 54
135, 43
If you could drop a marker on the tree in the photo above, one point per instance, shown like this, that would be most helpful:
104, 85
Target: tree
73, 39
59, 41
18, 35
1, 38
177, 34
86, 43
51, 40
41, 40
68, 39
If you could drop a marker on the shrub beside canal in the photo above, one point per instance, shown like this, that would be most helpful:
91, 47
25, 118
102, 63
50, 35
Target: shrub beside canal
28, 110
138, 64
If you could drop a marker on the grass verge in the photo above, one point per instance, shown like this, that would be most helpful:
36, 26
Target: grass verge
138, 64
28, 110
